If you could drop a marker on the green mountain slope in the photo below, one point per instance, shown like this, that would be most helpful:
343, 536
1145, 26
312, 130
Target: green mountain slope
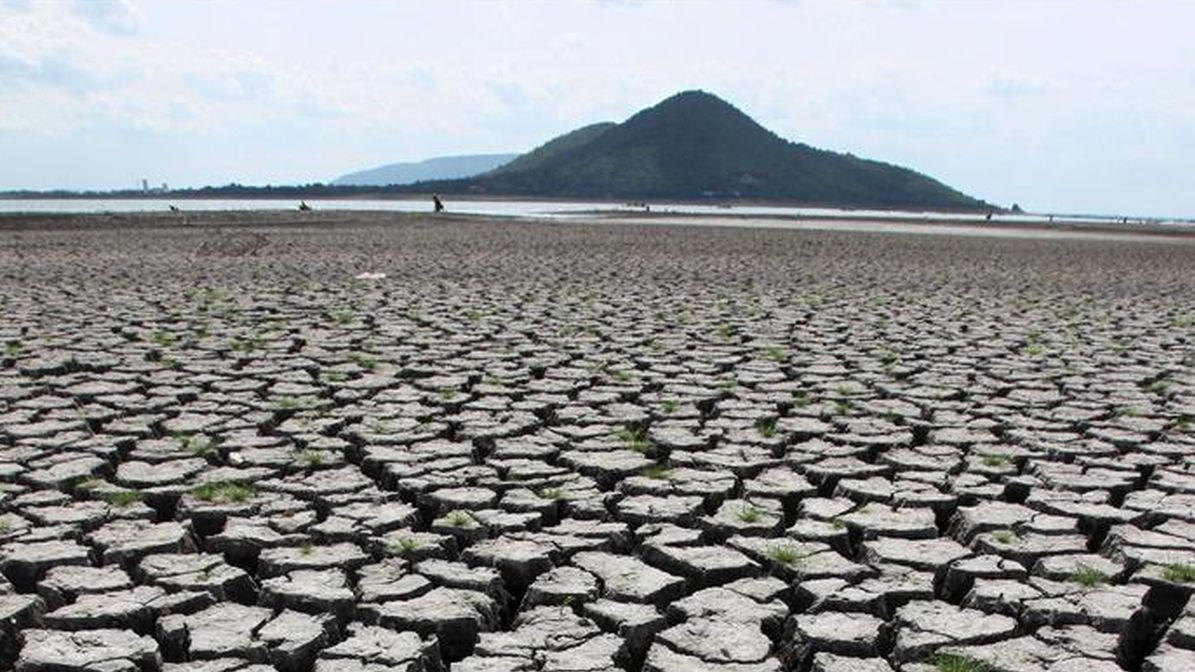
695, 145
557, 146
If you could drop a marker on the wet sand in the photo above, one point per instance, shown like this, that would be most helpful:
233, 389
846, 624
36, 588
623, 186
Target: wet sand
591, 446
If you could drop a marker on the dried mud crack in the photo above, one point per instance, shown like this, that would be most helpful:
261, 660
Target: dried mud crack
232, 446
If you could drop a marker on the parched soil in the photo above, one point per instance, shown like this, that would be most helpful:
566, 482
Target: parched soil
353, 442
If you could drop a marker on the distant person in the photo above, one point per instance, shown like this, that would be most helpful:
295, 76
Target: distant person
989, 217
173, 208
303, 206
436, 203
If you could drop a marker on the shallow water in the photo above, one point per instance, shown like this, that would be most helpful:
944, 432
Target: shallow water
525, 208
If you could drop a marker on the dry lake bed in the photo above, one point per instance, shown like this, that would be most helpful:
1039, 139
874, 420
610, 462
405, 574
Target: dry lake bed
228, 444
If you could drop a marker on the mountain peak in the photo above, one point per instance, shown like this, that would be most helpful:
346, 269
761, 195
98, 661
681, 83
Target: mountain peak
696, 145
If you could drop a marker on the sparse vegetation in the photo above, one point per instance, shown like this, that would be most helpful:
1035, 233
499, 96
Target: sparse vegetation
995, 460
1179, 572
313, 458
403, 545
635, 439
460, 519
670, 405
247, 343
12, 348
786, 555
944, 662
163, 339
750, 514
306, 549
656, 471
224, 492
123, 498
766, 427
777, 353
367, 362
1087, 576
1004, 536
801, 399
550, 493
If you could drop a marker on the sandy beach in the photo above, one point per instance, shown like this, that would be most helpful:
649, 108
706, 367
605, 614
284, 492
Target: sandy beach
351, 441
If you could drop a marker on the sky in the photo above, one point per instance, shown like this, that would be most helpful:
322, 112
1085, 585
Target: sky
1068, 106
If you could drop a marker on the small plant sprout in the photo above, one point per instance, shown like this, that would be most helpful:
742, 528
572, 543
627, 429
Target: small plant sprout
1087, 576
550, 493
656, 472
403, 545
313, 458
635, 439
843, 406
838, 523
777, 353
5, 525
364, 361
123, 498
87, 484
995, 460
306, 549
725, 331
785, 555
1004, 536
670, 405
12, 348
1179, 572
343, 317
800, 399
766, 427
163, 339
623, 375
224, 492
247, 343
951, 663
447, 393
749, 514
460, 519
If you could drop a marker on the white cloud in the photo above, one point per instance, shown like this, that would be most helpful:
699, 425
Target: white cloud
118, 17
987, 99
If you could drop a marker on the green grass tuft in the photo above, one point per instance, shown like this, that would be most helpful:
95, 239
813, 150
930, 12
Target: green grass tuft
786, 555
460, 519
403, 546
750, 514
1179, 572
123, 498
1004, 536
1087, 576
635, 439
995, 460
766, 427
656, 471
224, 492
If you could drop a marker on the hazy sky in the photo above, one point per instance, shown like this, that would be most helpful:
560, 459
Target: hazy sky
1067, 106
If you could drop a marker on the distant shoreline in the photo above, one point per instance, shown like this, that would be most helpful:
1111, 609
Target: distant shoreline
15, 222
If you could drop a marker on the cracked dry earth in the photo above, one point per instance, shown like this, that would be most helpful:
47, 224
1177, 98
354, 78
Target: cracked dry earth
573, 448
